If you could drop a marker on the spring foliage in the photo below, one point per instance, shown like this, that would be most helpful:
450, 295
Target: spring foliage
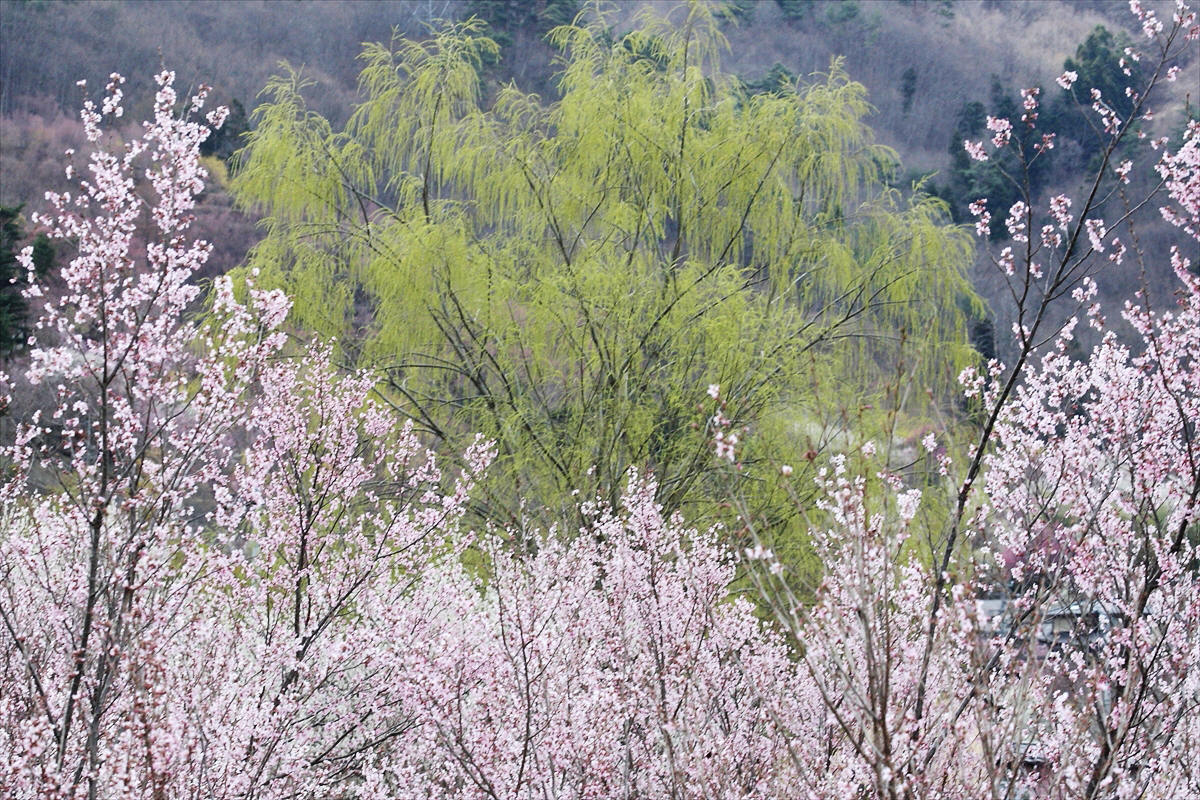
562, 276
229, 571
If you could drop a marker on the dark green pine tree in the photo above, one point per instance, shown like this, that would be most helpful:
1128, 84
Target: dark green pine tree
1098, 63
14, 310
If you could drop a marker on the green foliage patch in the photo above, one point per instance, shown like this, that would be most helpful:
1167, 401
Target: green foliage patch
568, 277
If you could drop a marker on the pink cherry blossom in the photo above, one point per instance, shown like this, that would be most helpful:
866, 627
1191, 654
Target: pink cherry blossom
975, 150
983, 219
1059, 210
1001, 129
1016, 223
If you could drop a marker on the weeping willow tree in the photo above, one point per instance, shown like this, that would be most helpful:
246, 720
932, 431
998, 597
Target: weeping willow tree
567, 278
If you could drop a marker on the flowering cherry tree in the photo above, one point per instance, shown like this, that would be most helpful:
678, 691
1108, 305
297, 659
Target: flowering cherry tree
100, 508
1043, 641
171, 593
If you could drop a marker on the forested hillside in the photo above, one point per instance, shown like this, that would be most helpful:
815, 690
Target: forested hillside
673, 400
933, 71
920, 61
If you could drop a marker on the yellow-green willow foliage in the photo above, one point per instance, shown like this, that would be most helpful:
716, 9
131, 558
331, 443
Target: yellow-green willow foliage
569, 277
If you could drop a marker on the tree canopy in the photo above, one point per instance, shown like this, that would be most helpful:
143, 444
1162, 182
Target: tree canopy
568, 277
